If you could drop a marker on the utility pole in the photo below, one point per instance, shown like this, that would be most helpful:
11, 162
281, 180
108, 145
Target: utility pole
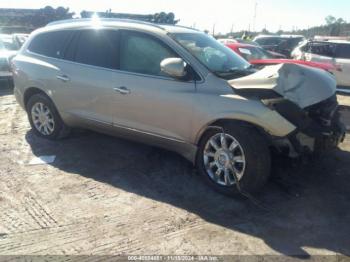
231, 32
214, 29
254, 17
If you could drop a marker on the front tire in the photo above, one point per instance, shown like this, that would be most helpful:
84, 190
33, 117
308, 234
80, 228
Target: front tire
44, 118
237, 151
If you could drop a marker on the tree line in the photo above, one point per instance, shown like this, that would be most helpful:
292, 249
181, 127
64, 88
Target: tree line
40, 17
35, 18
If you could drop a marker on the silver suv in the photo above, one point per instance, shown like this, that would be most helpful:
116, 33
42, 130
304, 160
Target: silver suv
176, 88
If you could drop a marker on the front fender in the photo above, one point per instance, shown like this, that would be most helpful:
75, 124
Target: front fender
250, 111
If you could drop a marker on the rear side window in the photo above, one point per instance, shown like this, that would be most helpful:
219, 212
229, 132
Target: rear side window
141, 53
343, 51
320, 48
98, 48
50, 44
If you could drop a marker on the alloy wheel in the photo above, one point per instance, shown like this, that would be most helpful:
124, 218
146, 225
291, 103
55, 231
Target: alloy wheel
224, 159
42, 119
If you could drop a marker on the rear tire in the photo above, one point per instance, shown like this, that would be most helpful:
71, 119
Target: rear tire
44, 118
250, 158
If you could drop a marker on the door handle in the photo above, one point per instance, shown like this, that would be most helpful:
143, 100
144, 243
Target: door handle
122, 90
64, 78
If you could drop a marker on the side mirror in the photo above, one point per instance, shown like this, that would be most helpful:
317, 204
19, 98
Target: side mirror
174, 67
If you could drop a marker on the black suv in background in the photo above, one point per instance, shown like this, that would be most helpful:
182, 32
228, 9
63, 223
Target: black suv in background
281, 44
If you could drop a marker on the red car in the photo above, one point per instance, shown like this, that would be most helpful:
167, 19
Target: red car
260, 57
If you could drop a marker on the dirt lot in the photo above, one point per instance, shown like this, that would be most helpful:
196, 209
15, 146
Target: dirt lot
103, 195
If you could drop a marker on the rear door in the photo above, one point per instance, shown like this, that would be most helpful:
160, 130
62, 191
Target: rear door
86, 75
342, 60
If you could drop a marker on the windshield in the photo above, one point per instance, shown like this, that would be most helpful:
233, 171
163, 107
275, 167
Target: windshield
7, 43
215, 56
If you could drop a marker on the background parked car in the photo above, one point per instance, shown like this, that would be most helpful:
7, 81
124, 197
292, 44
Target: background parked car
280, 44
242, 42
8, 49
259, 57
336, 52
237, 40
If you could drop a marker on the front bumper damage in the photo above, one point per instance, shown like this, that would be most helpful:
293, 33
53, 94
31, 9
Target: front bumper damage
318, 129
305, 97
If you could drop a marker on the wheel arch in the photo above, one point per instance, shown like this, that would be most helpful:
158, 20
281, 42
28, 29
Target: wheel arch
222, 122
29, 92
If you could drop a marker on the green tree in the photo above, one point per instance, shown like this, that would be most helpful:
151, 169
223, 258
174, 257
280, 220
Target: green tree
330, 20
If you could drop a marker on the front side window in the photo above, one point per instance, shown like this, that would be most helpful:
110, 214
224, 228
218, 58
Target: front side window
219, 59
141, 53
50, 44
98, 47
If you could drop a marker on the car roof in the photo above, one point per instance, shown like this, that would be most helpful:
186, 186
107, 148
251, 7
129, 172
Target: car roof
325, 42
113, 22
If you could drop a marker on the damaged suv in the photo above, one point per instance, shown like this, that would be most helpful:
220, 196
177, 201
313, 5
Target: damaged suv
179, 89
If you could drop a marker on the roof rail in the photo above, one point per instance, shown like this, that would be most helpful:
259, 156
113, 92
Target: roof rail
183, 26
79, 20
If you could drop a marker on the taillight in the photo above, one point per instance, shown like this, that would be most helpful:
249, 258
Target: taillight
338, 68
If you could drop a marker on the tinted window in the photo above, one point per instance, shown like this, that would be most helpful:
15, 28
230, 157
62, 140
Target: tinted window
343, 51
141, 53
321, 48
50, 44
268, 41
294, 41
97, 48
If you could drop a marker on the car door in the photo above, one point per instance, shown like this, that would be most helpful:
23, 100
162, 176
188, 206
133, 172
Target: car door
145, 99
342, 60
86, 75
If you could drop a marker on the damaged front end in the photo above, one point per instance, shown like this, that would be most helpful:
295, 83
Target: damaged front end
318, 127
306, 98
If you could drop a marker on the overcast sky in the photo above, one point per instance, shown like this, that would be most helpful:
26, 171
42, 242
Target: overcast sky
203, 14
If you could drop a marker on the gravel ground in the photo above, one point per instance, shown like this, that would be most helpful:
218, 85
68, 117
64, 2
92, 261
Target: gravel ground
107, 196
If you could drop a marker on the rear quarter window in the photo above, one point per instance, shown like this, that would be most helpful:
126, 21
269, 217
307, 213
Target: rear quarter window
51, 44
320, 48
343, 51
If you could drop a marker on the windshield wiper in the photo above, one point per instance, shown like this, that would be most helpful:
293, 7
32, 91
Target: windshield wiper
236, 71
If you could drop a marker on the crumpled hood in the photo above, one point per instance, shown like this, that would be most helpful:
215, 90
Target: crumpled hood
302, 85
